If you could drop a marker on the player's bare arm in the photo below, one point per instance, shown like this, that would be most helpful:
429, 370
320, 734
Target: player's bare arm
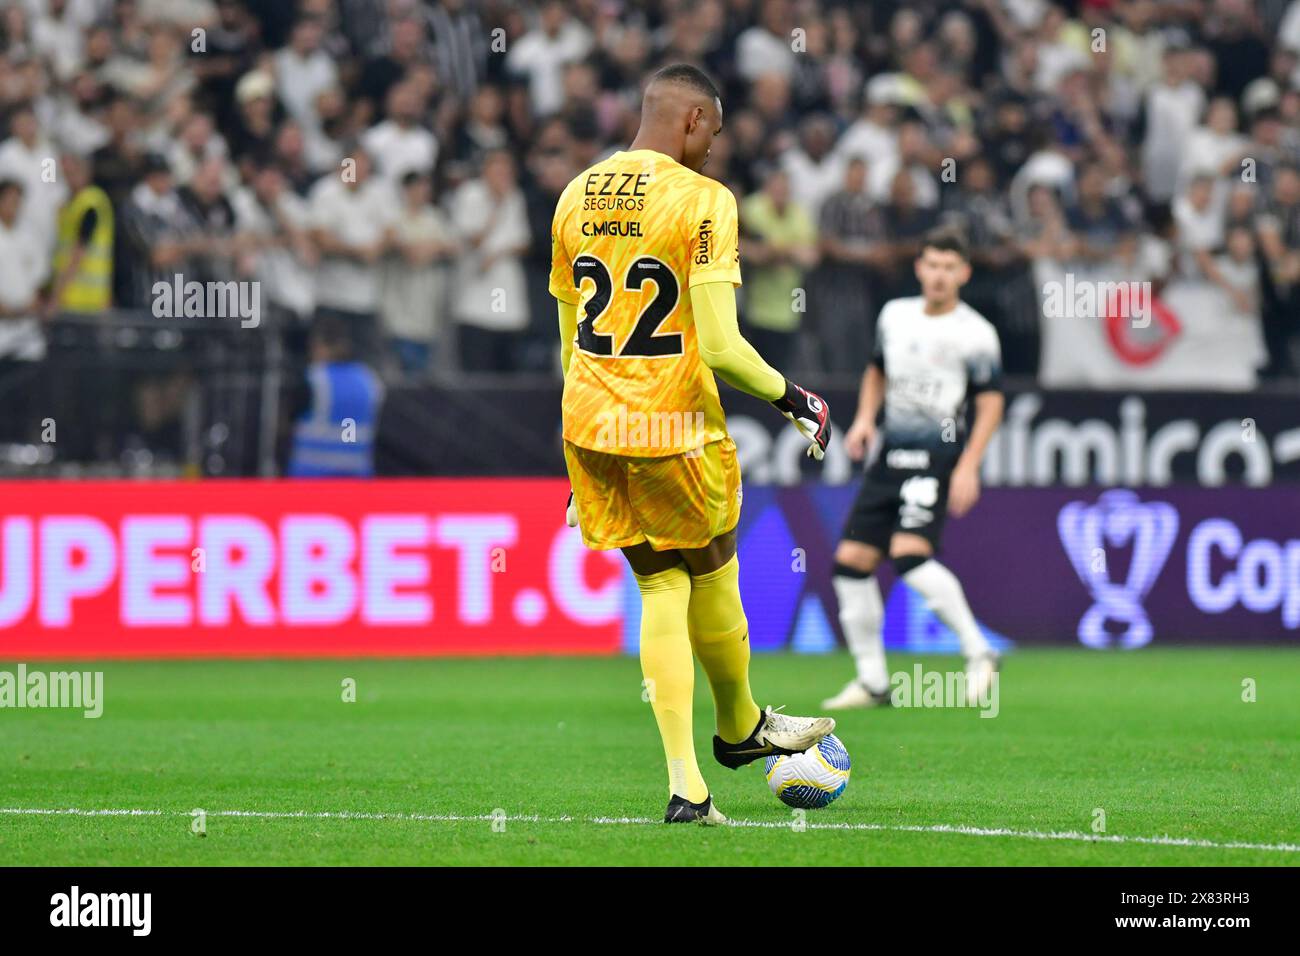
964, 489
862, 432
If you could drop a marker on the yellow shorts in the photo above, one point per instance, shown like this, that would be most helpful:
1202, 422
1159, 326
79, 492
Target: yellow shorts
681, 501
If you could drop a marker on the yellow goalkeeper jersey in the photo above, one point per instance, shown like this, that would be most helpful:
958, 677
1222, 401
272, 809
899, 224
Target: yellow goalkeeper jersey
630, 237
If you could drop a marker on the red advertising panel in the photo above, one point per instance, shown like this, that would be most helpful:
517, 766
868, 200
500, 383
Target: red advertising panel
308, 568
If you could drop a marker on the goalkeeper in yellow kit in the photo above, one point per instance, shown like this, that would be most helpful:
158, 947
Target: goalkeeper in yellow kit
645, 258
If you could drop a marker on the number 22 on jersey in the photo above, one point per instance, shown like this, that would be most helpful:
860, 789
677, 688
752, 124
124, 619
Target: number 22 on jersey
645, 341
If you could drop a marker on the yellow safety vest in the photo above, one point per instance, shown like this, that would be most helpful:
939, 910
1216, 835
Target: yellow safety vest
91, 288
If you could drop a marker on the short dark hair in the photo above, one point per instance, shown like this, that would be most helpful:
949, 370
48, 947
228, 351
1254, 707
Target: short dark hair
946, 239
155, 163
333, 333
413, 176
687, 75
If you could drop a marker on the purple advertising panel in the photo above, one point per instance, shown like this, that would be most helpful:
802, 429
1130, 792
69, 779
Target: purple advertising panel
1125, 568
1106, 568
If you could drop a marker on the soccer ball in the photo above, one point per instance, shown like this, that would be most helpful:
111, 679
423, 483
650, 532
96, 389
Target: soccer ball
813, 779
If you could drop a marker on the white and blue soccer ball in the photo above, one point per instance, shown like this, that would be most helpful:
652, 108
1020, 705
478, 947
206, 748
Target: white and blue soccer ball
813, 779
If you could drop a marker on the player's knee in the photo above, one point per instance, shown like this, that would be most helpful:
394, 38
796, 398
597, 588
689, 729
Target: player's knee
853, 560
713, 557
667, 579
903, 563
853, 573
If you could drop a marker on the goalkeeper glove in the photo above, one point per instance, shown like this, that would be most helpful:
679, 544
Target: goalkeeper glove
571, 513
810, 414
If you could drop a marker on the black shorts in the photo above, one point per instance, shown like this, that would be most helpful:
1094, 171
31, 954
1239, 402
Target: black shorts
896, 500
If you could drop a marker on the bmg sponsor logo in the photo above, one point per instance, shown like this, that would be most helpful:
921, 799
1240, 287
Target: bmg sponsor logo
702, 247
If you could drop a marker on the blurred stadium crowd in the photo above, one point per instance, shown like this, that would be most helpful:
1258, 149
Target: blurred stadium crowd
206, 138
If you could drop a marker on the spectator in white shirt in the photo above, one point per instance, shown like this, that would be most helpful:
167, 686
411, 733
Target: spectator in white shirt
1239, 267
1215, 148
873, 136
274, 225
29, 157
491, 304
23, 269
400, 144
198, 142
57, 38
1239, 270
185, 12
1173, 108
1199, 216
1288, 31
74, 116
323, 143
303, 71
816, 170
768, 46
413, 302
540, 55
156, 75
350, 212
917, 156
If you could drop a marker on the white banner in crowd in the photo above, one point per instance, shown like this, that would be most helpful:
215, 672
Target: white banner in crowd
1101, 332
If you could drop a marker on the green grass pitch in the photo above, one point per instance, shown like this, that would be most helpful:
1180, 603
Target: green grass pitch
414, 771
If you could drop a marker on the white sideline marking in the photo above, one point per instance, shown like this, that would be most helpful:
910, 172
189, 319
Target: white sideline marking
642, 821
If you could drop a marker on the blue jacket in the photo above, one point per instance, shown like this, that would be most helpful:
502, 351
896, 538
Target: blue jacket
336, 436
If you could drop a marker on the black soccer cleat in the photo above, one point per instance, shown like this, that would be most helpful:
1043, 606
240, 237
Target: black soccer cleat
681, 810
775, 734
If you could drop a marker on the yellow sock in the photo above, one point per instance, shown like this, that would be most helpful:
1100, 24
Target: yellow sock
669, 671
720, 635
